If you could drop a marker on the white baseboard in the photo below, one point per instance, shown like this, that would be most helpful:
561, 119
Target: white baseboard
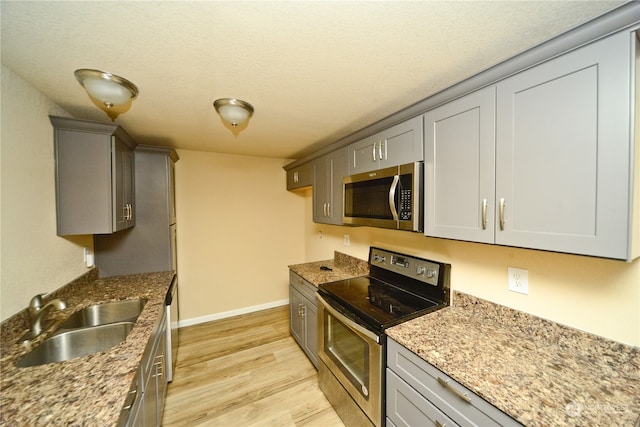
225, 314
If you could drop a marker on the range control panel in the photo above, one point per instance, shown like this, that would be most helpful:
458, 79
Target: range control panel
416, 268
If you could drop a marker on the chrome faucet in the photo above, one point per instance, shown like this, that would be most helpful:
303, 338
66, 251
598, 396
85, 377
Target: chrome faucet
37, 312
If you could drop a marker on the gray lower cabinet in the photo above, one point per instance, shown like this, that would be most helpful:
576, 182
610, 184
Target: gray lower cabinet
300, 177
145, 403
327, 187
303, 311
150, 245
95, 177
418, 394
397, 145
542, 159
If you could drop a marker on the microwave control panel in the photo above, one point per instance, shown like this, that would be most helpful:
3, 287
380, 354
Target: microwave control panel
404, 211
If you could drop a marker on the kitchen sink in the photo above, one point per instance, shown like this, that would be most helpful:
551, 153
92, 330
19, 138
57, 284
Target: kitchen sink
102, 314
76, 343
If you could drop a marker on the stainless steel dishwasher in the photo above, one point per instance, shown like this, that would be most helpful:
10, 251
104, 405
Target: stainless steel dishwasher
173, 316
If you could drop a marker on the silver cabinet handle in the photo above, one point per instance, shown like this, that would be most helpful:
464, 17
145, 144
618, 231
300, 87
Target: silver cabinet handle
502, 221
392, 197
448, 386
131, 399
324, 209
484, 214
373, 152
381, 157
159, 366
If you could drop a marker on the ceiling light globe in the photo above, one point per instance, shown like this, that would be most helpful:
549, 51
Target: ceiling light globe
109, 92
233, 111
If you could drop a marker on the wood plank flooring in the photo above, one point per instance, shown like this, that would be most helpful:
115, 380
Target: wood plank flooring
245, 371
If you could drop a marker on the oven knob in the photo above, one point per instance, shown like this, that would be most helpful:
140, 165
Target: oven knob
420, 270
431, 273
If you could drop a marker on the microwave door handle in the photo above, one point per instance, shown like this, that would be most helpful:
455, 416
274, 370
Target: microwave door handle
392, 197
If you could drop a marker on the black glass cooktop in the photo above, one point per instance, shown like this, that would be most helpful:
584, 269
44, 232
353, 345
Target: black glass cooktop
379, 304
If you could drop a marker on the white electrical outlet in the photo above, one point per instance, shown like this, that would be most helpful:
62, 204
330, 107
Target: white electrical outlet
347, 240
518, 280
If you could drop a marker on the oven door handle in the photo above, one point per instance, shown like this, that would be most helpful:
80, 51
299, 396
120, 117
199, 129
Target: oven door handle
364, 331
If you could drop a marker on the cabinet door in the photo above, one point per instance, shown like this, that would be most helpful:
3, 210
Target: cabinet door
327, 189
83, 182
365, 155
403, 143
460, 168
563, 147
311, 331
321, 189
299, 177
338, 171
122, 185
406, 407
295, 309
160, 370
400, 144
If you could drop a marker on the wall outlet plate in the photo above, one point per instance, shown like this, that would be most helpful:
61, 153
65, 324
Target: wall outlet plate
518, 280
347, 240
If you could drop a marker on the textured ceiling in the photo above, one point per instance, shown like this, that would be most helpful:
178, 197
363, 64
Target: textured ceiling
314, 71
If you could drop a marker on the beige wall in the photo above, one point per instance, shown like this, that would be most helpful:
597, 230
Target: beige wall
596, 295
33, 259
238, 229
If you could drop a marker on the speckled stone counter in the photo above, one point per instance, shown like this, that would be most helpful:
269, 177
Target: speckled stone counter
539, 372
342, 267
89, 390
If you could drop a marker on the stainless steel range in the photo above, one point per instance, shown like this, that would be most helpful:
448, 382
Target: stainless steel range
352, 317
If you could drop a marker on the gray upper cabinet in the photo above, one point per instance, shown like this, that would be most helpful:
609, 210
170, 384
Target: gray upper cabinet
563, 156
95, 181
151, 244
460, 168
300, 177
327, 187
400, 144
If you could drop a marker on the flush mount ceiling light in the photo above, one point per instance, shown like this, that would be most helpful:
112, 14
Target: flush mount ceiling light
113, 94
233, 111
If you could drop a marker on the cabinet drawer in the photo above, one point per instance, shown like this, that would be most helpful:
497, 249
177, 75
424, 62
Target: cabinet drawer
407, 407
456, 401
305, 288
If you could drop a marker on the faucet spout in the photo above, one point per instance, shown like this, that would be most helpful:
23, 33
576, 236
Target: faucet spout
39, 312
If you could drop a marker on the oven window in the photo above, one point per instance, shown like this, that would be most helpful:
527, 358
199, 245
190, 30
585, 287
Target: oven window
348, 351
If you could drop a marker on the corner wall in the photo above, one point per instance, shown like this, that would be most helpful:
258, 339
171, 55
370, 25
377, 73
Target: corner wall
238, 230
33, 259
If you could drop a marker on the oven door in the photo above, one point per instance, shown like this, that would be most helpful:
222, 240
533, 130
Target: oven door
354, 356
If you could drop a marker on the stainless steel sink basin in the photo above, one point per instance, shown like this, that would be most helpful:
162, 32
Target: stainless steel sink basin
102, 314
76, 343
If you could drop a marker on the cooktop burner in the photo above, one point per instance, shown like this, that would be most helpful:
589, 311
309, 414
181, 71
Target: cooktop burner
399, 288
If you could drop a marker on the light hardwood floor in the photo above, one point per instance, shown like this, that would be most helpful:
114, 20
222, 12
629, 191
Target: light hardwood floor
245, 371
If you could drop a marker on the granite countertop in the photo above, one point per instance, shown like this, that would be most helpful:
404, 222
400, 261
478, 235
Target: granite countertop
88, 390
538, 372
342, 267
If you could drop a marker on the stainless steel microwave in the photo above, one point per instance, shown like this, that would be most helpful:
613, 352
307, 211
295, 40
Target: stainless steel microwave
387, 198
